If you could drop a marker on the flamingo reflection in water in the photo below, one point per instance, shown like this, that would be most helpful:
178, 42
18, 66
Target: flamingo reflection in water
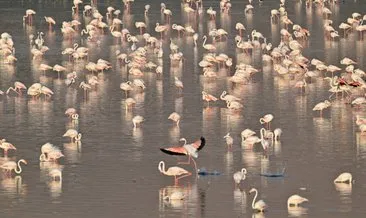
14, 185
172, 196
240, 199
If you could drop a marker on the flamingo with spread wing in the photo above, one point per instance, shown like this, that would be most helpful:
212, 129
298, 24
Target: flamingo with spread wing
191, 150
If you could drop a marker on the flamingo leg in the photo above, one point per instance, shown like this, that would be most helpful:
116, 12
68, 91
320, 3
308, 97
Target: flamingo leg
195, 165
188, 162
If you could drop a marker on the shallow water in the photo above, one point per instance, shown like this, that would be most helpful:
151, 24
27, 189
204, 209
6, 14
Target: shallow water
113, 172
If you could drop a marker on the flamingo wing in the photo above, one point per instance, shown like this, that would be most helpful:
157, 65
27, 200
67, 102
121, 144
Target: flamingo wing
175, 150
199, 144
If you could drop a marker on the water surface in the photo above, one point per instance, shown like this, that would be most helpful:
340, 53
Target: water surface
114, 171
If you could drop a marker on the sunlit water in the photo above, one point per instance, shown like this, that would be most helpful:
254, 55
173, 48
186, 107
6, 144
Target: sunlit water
114, 173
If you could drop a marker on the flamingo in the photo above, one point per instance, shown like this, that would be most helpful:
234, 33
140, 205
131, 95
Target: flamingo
266, 119
6, 146
166, 12
59, 69
239, 176
34, 90
178, 28
229, 140
208, 47
12, 165
109, 12
240, 27
46, 91
301, 85
48, 147
359, 101
29, 14
175, 117
295, 200
226, 97
126, 86
44, 68
360, 120
140, 25
85, 86
321, 106
234, 105
248, 7
75, 8
246, 133
344, 178
147, 8
137, 120
52, 155
18, 87
70, 111
160, 29
73, 134
190, 150
260, 205
347, 61
50, 22
173, 171
207, 97
277, 134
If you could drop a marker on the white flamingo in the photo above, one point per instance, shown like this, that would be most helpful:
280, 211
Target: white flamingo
260, 205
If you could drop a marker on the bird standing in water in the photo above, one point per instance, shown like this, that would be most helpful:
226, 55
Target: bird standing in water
191, 150
173, 171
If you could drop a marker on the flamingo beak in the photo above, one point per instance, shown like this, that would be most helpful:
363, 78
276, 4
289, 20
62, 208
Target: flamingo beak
25, 162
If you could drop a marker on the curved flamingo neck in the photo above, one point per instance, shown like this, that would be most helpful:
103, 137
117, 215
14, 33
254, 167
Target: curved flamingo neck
20, 169
223, 94
255, 197
204, 40
261, 120
162, 167
43, 157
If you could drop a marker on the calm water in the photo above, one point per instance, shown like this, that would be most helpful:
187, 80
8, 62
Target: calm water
113, 173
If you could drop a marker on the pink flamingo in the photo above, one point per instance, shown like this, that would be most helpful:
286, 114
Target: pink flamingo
173, 171
266, 119
18, 86
50, 22
53, 155
28, 14
12, 165
6, 146
191, 150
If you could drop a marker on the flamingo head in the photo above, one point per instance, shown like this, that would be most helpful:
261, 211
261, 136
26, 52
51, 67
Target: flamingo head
23, 161
252, 190
227, 135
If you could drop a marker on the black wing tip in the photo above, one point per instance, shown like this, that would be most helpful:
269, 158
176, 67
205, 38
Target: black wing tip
170, 152
203, 142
